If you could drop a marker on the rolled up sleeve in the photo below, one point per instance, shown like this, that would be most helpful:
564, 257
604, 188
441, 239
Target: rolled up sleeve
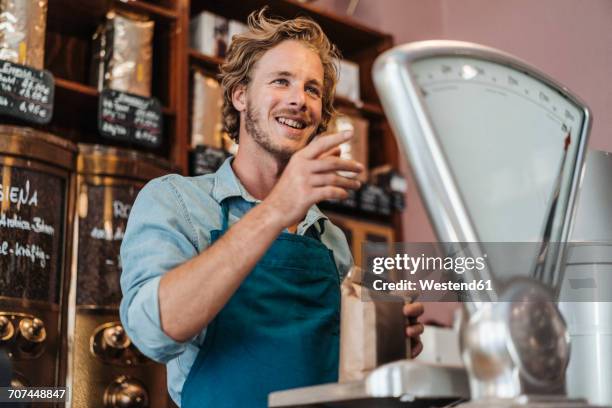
159, 237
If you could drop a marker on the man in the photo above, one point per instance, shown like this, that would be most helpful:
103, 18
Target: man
232, 279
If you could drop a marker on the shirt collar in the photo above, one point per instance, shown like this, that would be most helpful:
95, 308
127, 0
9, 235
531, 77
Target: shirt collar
226, 185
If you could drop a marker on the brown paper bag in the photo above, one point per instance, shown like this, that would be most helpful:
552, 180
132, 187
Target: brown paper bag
123, 53
371, 331
357, 147
207, 104
22, 32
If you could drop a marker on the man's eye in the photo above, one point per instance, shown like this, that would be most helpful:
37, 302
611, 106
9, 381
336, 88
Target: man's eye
280, 81
313, 90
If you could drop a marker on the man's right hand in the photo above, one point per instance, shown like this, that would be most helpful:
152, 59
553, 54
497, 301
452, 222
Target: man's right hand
312, 176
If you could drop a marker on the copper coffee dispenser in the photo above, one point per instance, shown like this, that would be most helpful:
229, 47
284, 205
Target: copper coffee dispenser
107, 370
35, 223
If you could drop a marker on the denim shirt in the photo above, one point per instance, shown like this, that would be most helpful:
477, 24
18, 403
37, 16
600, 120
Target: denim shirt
170, 223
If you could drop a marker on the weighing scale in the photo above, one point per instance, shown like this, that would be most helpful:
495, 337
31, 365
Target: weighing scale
497, 149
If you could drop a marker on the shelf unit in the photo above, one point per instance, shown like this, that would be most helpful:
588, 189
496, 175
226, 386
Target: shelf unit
68, 56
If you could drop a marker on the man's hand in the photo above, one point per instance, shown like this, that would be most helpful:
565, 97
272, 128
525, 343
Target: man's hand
414, 329
312, 176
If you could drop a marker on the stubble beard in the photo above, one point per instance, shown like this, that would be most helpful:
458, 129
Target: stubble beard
263, 139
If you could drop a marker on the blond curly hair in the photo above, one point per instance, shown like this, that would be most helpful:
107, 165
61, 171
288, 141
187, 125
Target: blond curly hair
265, 33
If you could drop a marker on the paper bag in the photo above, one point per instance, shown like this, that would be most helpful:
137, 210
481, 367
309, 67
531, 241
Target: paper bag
207, 104
22, 31
123, 53
357, 147
371, 331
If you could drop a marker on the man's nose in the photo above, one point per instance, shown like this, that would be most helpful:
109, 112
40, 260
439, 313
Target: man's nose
297, 97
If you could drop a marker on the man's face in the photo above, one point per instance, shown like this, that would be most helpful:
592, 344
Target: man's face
284, 99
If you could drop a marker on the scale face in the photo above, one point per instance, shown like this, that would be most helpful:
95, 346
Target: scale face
504, 136
495, 145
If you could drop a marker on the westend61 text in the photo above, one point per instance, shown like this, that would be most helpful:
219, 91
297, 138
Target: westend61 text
429, 285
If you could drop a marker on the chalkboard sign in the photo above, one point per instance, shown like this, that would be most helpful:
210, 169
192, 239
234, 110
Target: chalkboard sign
31, 234
101, 230
26, 93
349, 203
206, 159
374, 199
129, 117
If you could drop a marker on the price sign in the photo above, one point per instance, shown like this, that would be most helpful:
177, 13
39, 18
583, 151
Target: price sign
100, 236
374, 199
129, 117
26, 93
206, 159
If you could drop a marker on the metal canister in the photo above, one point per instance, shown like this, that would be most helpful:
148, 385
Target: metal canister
107, 370
586, 301
36, 199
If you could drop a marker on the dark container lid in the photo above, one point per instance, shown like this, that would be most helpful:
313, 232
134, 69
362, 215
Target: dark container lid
98, 160
31, 144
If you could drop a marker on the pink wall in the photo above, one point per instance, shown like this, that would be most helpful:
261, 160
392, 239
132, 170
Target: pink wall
571, 40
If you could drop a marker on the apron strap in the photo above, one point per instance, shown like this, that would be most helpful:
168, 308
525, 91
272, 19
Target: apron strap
314, 232
224, 215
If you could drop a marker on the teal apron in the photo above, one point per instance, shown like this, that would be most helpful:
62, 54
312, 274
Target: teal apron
280, 329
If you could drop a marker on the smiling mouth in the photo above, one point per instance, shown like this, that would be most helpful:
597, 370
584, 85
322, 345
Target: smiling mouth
292, 123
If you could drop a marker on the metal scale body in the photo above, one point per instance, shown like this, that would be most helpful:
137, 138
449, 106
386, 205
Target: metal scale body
497, 149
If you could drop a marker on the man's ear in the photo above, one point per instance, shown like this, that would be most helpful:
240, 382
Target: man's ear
239, 98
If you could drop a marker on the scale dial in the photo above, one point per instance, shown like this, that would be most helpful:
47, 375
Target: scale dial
505, 136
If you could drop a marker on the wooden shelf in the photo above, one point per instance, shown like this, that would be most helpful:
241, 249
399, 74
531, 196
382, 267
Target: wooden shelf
74, 88
71, 25
75, 117
154, 12
358, 214
350, 36
81, 18
367, 109
206, 62
86, 95
372, 108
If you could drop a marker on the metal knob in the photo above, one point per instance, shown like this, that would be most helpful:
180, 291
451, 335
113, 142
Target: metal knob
32, 330
126, 392
17, 383
6, 329
115, 337
115, 341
